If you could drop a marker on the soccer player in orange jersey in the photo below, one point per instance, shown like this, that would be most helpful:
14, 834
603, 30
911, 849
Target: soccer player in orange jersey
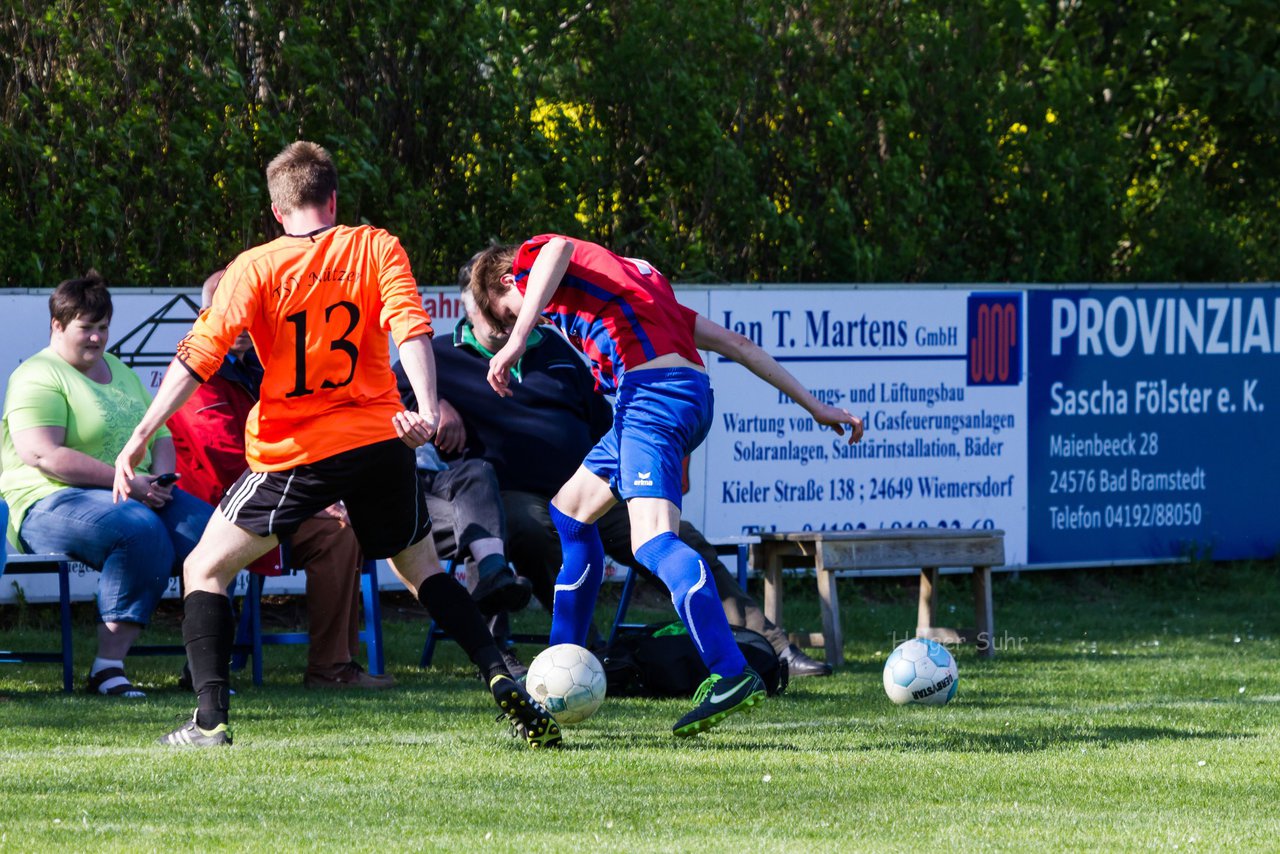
318, 303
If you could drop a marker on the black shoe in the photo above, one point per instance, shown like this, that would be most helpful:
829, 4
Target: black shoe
528, 718
515, 666
799, 664
190, 735
502, 591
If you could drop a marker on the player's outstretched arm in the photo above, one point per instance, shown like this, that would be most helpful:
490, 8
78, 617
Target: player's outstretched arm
419, 362
709, 335
544, 277
178, 385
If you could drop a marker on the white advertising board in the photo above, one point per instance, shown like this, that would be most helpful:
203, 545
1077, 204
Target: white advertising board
938, 450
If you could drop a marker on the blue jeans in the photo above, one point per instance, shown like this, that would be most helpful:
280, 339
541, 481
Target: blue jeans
136, 548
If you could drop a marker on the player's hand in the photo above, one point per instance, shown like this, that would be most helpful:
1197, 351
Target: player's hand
126, 483
501, 364
415, 429
836, 418
451, 433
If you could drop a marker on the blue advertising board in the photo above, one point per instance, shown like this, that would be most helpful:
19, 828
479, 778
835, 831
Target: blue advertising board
1150, 415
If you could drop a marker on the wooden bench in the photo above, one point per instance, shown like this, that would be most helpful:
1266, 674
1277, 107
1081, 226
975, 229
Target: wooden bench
871, 553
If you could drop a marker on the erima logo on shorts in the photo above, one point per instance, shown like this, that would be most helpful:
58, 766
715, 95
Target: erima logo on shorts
644, 478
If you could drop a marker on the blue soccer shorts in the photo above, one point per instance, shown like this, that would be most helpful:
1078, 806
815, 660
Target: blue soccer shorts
661, 415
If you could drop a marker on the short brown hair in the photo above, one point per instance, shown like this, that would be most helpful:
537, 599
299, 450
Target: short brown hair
85, 297
301, 176
487, 269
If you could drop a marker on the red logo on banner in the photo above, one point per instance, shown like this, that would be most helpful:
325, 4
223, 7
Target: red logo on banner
995, 346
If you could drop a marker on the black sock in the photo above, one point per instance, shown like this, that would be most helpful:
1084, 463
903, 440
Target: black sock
208, 630
454, 611
492, 564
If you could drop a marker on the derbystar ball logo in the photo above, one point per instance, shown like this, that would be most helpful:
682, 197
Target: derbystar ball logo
994, 342
930, 690
644, 478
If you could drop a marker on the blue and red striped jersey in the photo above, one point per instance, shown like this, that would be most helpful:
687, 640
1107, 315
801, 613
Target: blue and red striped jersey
620, 312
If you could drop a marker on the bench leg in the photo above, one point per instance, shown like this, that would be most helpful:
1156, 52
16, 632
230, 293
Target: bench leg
624, 602
428, 646
255, 625
64, 615
372, 633
771, 561
928, 605
832, 637
984, 610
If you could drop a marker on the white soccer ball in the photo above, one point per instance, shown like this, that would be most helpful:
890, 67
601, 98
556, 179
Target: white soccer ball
568, 680
921, 671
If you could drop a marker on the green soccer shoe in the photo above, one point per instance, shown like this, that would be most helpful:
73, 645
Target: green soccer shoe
717, 698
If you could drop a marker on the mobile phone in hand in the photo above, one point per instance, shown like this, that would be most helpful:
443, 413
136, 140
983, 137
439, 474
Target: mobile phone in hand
168, 479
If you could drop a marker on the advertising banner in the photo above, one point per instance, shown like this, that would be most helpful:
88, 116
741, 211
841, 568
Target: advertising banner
936, 376
1093, 425
1150, 413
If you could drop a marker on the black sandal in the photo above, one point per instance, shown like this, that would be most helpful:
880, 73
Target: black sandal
123, 688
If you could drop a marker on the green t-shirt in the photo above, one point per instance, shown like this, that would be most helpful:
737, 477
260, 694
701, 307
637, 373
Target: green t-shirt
45, 391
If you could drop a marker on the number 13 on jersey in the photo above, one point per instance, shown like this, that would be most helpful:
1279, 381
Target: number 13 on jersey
302, 348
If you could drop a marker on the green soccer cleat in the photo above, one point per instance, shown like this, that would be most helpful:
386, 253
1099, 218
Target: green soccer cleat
190, 735
717, 698
528, 718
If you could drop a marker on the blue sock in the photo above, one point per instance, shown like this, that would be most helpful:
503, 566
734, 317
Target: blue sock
693, 592
581, 571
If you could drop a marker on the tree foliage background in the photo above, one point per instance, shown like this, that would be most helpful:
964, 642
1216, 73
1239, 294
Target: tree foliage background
725, 140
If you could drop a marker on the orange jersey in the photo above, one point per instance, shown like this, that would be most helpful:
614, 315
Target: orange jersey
318, 310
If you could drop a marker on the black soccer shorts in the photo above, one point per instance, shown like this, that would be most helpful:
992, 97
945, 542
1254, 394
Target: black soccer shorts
378, 483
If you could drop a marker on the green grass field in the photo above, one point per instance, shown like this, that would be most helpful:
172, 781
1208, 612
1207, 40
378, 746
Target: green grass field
1129, 709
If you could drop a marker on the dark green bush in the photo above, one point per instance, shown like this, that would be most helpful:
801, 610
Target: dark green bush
754, 140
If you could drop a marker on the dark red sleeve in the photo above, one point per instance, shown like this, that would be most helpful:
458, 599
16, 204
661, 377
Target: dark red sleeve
208, 436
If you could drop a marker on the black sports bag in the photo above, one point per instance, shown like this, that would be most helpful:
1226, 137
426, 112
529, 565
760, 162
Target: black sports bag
660, 660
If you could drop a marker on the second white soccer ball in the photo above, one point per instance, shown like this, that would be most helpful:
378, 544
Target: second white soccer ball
568, 680
921, 671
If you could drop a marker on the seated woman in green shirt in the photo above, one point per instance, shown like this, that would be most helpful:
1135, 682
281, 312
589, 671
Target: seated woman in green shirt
68, 411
